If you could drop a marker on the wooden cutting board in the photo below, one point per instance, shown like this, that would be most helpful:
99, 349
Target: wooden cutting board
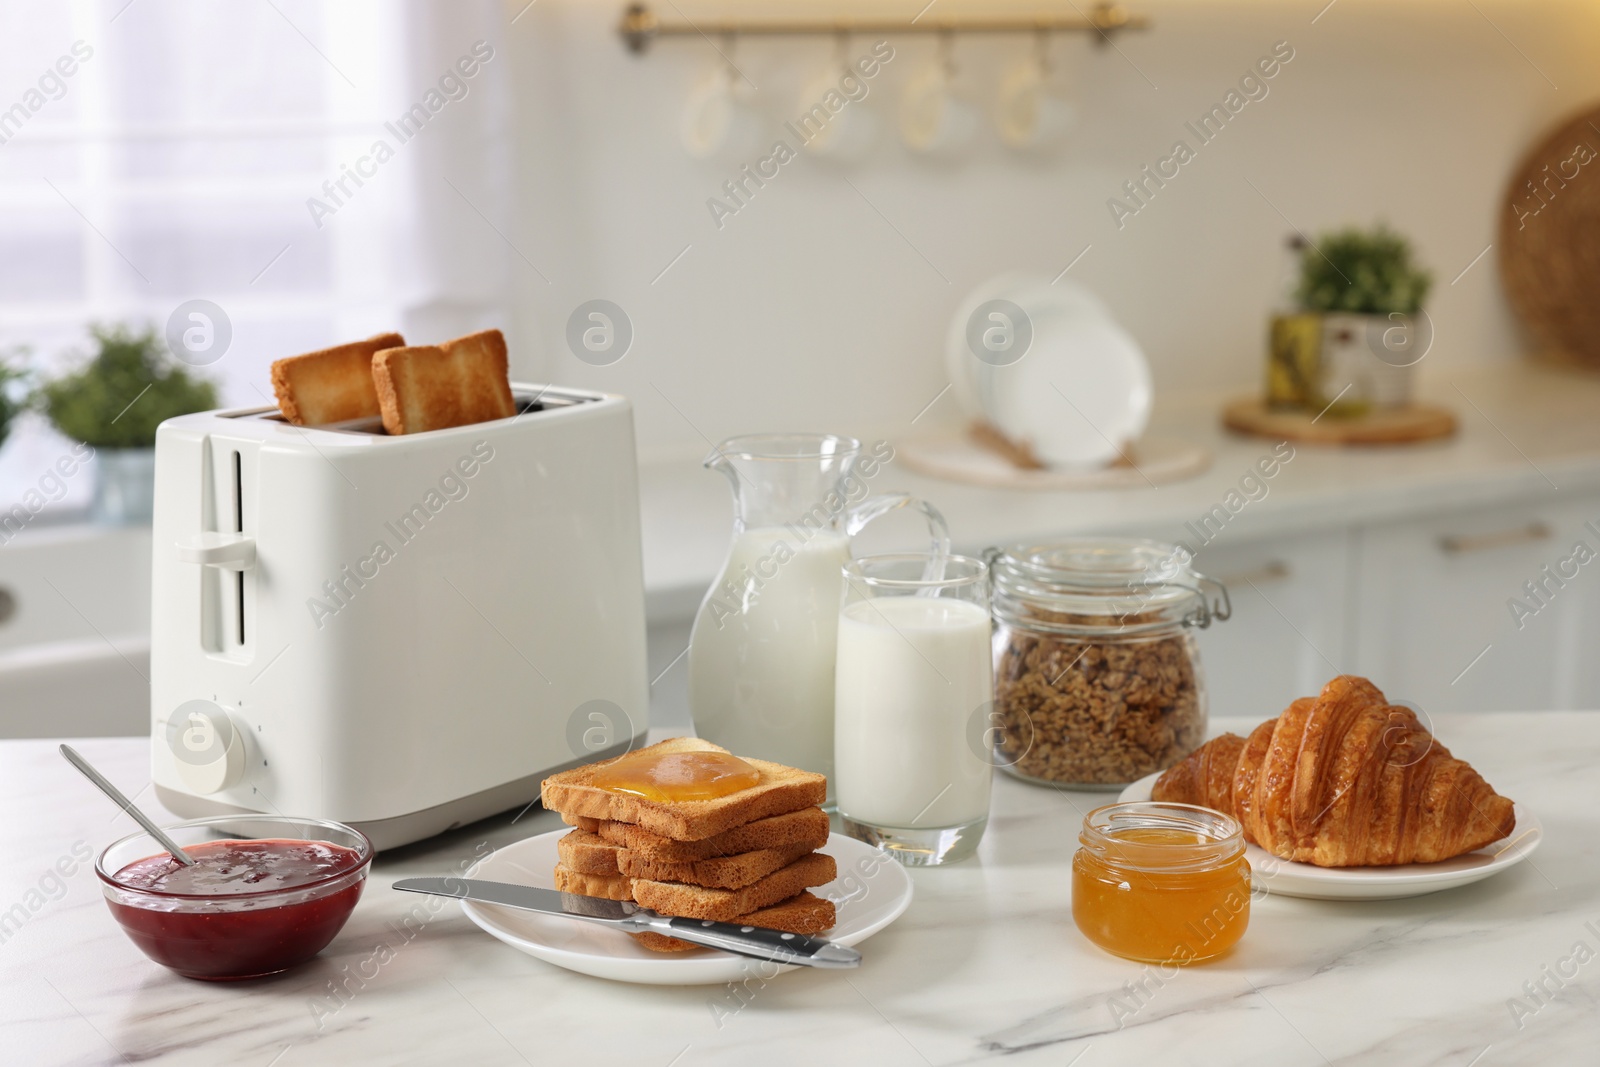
1549, 240
1391, 426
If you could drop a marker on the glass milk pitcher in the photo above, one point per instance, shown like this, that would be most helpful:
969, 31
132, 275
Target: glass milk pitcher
761, 657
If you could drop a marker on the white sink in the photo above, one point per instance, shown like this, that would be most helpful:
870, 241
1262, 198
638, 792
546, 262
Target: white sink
75, 632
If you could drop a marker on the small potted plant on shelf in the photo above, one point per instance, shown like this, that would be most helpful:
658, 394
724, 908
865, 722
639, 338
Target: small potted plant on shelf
114, 404
1357, 328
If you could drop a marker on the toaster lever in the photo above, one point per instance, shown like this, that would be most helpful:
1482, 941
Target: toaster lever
230, 551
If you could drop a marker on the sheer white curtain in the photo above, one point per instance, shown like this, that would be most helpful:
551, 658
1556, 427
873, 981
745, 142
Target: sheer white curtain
320, 171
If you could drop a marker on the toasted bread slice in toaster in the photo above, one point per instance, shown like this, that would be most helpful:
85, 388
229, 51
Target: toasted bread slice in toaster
781, 789
333, 385
434, 387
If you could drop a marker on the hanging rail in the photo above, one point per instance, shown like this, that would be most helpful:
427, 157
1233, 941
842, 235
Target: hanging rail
640, 25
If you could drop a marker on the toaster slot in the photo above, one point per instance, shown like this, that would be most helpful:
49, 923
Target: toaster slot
227, 595
527, 402
215, 601
238, 527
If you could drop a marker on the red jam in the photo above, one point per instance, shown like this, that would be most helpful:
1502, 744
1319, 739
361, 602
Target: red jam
205, 921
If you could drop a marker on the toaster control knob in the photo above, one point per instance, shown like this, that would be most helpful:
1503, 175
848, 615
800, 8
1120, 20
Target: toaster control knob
207, 748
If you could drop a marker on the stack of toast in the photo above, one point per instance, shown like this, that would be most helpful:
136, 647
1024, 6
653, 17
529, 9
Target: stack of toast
413, 389
747, 858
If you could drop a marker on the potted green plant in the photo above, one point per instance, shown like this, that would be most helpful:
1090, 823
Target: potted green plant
114, 404
13, 398
1357, 327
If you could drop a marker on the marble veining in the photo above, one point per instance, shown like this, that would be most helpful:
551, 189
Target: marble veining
985, 967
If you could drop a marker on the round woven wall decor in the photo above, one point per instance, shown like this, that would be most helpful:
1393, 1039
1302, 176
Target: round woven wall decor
1550, 240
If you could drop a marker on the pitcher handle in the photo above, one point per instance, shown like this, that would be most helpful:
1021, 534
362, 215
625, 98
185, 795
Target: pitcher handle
856, 518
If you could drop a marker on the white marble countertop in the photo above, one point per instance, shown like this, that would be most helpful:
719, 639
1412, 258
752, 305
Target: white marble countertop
1524, 428
985, 965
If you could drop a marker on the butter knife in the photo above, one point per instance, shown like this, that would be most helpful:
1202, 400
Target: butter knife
753, 941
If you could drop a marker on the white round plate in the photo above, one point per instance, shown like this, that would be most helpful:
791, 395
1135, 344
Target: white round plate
1079, 395
871, 891
1035, 295
1290, 879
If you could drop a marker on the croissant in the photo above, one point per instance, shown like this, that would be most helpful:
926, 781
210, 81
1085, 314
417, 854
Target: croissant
1344, 779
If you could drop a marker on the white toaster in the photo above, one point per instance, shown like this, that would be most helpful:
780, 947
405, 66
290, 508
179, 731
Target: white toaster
399, 633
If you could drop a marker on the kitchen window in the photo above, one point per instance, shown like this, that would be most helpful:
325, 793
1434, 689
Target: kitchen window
160, 151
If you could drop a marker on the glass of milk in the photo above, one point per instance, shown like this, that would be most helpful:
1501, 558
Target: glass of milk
761, 653
913, 687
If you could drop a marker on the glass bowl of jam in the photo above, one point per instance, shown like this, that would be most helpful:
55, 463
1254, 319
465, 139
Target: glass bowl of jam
265, 892
1161, 883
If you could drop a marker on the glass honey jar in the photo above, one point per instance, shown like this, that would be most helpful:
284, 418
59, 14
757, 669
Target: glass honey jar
1161, 883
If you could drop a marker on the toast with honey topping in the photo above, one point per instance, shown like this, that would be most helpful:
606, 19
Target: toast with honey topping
587, 853
434, 387
331, 385
808, 826
780, 790
746, 856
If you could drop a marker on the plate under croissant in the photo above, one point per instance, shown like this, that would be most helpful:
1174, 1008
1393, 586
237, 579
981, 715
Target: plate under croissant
1290, 879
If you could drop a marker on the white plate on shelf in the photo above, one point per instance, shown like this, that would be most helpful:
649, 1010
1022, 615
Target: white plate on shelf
1080, 397
1038, 299
871, 891
1079, 394
1290, 879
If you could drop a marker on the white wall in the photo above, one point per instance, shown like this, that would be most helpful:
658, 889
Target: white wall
810, 310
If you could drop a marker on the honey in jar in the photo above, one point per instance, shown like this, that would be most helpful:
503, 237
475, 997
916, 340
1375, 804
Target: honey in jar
675, 776
1161, 883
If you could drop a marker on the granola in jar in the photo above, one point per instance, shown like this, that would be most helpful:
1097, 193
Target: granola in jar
1097, 673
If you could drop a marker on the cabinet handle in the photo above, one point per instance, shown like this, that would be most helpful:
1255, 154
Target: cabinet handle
1457, 544
1276, 571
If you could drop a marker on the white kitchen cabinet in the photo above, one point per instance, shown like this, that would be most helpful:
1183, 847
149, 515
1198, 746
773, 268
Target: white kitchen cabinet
1410, 604
1287, 636
1575, 626
1433, 623
75, 632
668, 642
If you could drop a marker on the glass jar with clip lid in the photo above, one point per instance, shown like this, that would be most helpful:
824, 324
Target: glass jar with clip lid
1097, 673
